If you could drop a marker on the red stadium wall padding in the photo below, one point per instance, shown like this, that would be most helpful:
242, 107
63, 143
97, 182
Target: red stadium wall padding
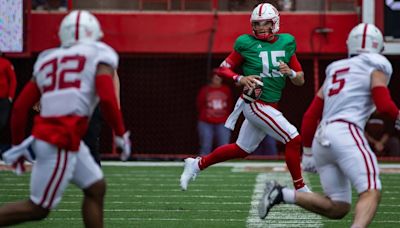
189, 32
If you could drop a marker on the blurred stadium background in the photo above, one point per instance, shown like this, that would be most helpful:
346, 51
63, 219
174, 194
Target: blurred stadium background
167, 48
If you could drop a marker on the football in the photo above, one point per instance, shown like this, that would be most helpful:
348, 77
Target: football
252, 94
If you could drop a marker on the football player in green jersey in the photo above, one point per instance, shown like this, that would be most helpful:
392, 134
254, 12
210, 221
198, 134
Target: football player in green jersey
270, 58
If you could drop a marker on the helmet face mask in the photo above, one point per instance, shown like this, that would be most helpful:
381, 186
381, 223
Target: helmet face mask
263, 14
262, 29
79, 26
364, 38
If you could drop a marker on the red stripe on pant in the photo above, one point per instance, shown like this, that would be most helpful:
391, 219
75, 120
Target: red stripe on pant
362, 152
59, 180
46, 191
370, 158
269, 124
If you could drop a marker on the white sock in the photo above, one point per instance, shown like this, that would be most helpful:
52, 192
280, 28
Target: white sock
289, 195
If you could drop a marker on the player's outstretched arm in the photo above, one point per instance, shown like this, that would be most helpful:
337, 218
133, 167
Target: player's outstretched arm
381, 95
110, 110
29, 96
308, 128
228, 66
117, 88
311, 118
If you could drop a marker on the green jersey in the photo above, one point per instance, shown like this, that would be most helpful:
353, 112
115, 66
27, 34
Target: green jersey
262, 58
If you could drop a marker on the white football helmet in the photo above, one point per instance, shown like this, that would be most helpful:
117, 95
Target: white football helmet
265, 12
79, 25
364, 38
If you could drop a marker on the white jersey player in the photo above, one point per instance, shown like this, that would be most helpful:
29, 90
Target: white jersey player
352, 90
347, 88
69, 81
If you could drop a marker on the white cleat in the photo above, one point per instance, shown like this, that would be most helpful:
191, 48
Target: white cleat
303, 189
272, 196
190, 171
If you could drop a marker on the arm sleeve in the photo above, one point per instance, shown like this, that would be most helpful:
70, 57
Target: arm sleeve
378, 62
228, 66
108, 103
294, 63
28, 97
117, 87
310, 121
12, 80
383, 102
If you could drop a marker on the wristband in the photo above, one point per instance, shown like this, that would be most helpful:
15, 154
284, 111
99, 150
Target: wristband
293, 75
307, 151
237, 78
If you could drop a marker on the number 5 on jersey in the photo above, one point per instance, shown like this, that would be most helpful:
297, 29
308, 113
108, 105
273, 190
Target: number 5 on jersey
338, 83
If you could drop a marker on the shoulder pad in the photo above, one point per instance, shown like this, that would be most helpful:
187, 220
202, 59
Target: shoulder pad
378, 62
106, 54
242, 41
40, 57
287, 36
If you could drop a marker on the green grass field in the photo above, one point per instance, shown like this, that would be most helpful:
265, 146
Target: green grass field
149, 196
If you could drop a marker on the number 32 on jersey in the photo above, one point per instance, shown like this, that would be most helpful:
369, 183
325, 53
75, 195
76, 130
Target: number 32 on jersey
56, 71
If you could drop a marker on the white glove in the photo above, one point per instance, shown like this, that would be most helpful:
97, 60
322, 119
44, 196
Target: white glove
397, 123
308, 162
124, 144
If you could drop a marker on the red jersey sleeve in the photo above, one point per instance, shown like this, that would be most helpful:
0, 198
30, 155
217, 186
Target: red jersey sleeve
383, 102
227, 67
27, 98
12, 80
310, 120
108, 103
295, 64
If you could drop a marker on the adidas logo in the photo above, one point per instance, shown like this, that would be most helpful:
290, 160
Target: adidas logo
259, 46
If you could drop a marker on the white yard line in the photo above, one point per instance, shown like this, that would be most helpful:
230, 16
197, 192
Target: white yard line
282, 215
